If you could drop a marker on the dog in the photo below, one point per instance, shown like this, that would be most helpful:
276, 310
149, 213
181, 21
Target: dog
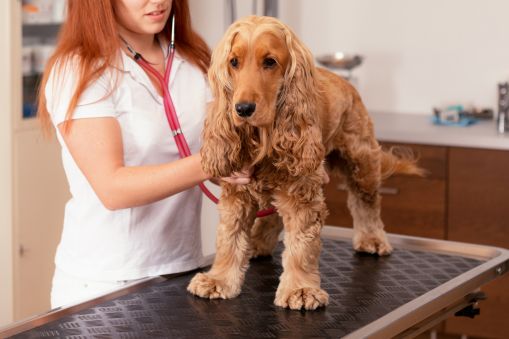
275, 111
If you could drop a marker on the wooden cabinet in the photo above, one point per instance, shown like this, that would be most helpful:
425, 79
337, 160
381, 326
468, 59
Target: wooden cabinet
410, 205
479, 213
479, 196
464, 198
40, 196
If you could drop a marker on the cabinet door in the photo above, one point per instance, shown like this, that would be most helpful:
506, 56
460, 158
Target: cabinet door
479, 213
40, 193
410, 205
479, 196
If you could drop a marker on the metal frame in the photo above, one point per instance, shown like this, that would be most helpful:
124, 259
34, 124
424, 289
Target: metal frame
406, 321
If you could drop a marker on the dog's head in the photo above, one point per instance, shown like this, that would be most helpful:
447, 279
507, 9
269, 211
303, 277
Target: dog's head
262, 78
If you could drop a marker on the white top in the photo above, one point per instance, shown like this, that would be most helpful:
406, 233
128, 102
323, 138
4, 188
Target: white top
418, 129
158, 238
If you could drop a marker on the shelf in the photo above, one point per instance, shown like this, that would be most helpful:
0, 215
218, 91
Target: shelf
40, 24
41, 30
30, 87
32, 76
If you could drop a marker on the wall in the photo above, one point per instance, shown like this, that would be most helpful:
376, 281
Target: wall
211, 18
417, 53
6, 259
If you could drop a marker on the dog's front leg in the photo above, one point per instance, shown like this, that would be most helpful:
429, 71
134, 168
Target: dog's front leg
303, 210
225, 278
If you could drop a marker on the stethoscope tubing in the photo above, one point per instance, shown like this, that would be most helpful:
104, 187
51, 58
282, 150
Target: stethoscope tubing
170, 112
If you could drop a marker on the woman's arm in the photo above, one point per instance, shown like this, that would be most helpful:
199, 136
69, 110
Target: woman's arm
96, 146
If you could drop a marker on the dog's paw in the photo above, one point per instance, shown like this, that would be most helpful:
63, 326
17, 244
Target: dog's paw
373, 243
308, 298
206, 287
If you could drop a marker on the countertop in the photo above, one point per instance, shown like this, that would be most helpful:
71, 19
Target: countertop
418, 129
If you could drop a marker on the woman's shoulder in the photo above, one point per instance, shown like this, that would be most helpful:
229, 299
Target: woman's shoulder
63, 66
66, 78
68, 73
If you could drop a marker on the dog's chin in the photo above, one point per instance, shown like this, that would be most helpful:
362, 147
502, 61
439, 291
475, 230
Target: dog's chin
253, 121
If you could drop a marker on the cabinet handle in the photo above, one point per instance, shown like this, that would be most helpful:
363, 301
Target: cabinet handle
382, 190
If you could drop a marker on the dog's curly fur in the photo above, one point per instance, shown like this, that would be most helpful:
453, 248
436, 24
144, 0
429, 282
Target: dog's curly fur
304, 115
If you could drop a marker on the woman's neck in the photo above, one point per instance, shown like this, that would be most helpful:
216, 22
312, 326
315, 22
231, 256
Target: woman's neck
141, 43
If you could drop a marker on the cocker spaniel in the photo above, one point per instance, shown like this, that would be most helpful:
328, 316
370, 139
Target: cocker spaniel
274, 110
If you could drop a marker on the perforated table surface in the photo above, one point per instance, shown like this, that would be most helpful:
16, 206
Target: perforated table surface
370, 296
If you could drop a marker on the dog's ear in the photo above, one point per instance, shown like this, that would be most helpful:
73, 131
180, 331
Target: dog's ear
222, 144
297, 144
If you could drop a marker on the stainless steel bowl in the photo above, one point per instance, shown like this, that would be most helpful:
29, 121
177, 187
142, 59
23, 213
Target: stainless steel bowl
340, 60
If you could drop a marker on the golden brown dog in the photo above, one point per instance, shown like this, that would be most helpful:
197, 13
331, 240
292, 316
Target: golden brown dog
276, 111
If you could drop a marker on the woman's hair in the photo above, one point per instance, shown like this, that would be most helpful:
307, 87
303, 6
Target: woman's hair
90, 34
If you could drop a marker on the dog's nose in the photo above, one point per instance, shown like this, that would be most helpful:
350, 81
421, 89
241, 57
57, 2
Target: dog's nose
245, 109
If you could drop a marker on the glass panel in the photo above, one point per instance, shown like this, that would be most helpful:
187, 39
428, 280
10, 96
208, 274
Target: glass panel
41, 23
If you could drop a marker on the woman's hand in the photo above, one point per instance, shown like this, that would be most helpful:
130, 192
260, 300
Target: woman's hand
240, 178
244, 177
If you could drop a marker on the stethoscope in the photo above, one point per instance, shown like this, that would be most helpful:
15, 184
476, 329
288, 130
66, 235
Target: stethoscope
169, 107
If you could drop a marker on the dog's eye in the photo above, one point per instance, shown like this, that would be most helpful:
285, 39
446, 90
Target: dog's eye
234, 62
269, 62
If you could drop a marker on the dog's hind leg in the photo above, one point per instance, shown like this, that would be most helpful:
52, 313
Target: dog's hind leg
265, 235
226, 276
362, 157
303, 210
369, 235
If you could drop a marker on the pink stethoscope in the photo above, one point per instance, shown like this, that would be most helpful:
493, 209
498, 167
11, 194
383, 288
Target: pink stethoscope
169, 108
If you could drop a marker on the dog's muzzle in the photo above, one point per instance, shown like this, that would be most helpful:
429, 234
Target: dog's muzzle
245, 109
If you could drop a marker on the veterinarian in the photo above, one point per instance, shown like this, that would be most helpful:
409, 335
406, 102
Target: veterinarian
135, 207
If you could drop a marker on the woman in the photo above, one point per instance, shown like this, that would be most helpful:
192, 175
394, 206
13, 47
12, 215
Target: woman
134, 210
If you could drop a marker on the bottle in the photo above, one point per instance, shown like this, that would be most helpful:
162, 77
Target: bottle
503, 105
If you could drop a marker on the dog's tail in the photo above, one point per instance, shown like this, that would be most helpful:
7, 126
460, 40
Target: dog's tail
400, 160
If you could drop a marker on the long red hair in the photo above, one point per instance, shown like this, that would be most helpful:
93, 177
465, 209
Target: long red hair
90, 33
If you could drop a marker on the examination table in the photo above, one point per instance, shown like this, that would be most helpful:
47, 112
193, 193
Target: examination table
420, 284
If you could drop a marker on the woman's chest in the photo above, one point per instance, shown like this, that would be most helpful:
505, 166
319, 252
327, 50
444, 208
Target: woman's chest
147, 138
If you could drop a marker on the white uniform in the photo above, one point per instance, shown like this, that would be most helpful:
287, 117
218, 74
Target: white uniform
100, 248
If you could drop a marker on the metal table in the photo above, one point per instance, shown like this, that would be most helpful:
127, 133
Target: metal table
423, 282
